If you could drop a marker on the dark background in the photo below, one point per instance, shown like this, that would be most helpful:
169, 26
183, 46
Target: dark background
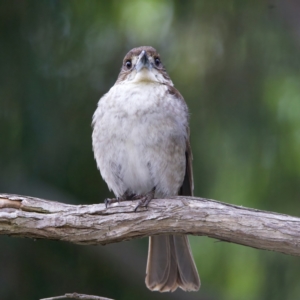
237, 65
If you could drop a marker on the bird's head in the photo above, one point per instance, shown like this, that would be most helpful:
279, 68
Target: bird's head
143, 64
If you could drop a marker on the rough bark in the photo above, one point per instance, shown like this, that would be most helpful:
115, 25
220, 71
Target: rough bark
77, 296
30, 217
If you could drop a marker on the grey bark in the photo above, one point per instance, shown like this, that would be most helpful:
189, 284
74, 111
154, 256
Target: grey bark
77, 296
30, 217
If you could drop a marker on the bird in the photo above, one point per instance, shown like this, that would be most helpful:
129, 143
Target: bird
141, 146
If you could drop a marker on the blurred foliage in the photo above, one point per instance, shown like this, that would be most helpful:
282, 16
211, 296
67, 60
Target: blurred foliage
237, 65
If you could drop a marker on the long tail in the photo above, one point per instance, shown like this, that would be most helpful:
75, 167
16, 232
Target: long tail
171, 264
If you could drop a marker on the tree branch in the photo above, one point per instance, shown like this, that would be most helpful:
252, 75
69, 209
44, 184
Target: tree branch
77, 296
94, 224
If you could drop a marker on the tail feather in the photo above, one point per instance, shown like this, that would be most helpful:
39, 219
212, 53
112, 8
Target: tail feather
171, 265
186, 266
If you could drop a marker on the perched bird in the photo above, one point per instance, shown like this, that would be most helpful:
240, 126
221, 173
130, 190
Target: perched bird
141, 145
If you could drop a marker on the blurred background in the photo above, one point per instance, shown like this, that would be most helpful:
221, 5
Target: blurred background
237, 64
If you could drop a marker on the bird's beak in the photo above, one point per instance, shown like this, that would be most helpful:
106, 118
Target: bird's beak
143, 61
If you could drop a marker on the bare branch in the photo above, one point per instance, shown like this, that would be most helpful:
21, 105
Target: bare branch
77, 296
94, 224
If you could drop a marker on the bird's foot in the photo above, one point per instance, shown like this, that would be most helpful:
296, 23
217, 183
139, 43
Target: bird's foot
124, 197
144, 200
109, 201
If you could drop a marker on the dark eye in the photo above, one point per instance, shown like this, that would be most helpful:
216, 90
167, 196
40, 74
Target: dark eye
157, 61
128, 64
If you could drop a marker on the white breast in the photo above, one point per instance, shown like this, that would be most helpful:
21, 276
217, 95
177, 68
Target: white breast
139, 139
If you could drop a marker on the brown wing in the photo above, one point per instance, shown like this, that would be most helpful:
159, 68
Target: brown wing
187, 187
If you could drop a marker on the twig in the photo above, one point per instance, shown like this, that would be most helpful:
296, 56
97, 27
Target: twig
77, 296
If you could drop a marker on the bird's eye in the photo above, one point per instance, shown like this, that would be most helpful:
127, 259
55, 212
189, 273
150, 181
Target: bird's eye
157, 61
128, 64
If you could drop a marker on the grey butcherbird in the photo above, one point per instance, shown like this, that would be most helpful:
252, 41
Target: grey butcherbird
141, 145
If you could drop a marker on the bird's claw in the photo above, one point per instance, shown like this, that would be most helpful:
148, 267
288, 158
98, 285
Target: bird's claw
109, 201
144, 200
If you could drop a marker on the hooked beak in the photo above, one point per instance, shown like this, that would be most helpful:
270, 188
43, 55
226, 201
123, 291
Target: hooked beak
143, 61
